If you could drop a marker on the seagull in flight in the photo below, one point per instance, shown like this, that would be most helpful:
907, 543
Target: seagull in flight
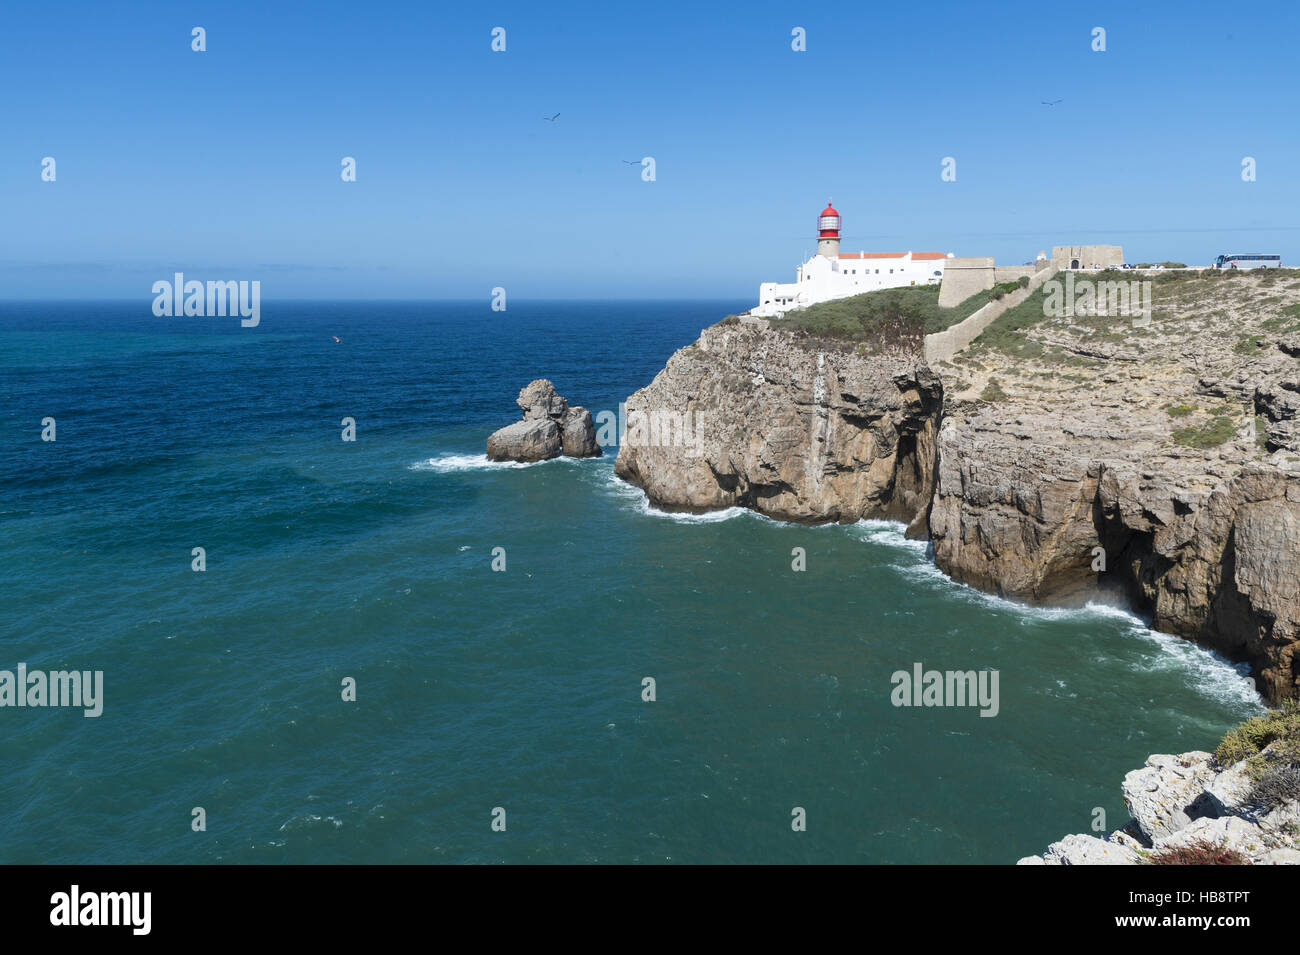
337, 339
632, 162
551, 119
1052, 103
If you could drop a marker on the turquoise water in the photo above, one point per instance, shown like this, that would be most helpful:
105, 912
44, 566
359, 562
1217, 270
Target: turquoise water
478, 689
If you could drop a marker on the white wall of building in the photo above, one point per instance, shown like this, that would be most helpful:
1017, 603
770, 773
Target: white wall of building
821, 279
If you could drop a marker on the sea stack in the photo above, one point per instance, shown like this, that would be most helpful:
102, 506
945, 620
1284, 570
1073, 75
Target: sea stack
549, 428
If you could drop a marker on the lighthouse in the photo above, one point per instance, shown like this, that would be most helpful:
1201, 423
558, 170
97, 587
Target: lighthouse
828, 233
832, 274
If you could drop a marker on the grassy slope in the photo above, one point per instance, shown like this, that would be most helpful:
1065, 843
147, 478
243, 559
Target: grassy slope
884, 317
1007, 333
1180, 299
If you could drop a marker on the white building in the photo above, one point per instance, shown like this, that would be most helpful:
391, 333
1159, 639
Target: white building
831, 274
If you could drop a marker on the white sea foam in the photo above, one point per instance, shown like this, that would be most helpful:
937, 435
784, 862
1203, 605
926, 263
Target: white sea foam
449, 463
888, 534
1211, 674
638, 499
307, 820
1208, 672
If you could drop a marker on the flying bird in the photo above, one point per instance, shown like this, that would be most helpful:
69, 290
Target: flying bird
1052, 103
551, 119
337, 339
632, 162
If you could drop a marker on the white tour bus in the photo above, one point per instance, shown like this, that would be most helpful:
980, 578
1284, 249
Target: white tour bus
1252, 261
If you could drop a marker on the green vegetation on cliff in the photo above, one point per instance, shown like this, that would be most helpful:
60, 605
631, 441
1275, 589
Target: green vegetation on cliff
894, 316
1271, 746
1281, 726
1007, 332
1213, 433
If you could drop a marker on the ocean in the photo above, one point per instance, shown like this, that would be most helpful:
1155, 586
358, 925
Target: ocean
483, 694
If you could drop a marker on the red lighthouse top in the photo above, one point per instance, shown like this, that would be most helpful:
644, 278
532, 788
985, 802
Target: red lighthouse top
828, 223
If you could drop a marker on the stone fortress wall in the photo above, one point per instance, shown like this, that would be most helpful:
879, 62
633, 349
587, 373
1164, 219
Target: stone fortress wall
942, 346
963, 277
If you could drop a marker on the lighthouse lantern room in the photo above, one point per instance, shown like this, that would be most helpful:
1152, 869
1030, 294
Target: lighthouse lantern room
828, 232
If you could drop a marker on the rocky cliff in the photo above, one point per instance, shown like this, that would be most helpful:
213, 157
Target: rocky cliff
550, 427
1058, 457
1160, 460
1189, 802
800, 430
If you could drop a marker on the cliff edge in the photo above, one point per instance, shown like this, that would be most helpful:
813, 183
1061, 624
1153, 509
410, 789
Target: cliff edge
1066, 453
796, 429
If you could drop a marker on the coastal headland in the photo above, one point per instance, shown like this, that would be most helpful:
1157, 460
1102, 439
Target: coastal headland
1066, 453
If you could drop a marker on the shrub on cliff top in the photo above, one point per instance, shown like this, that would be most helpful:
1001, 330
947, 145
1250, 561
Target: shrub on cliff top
1278, 783
886, 317
1007, 332
1197, 853
993, 391
1002, 289
1216, 431
1257, 732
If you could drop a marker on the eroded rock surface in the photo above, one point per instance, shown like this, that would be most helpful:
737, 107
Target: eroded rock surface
1173, 447
803, 431
549, 428
1179, 802
1155, 465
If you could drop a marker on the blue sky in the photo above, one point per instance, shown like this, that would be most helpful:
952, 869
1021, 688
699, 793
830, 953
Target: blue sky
225, 164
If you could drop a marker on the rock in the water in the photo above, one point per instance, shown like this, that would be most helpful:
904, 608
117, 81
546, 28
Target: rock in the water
550, 428
579, 434
539, 400
526, 441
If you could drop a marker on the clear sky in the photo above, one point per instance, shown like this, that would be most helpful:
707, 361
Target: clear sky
225, 164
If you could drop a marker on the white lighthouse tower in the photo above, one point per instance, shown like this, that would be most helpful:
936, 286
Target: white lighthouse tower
832, 274
828, 233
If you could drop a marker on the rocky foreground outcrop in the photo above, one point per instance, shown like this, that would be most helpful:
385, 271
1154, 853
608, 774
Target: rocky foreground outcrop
549, 428
1080, 454
752, 416
1182, 802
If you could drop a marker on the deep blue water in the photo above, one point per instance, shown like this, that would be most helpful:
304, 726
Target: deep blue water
477, 689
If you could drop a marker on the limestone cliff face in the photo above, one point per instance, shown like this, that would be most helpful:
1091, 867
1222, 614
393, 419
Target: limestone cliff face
798, 430
1210, 550
1159, 463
